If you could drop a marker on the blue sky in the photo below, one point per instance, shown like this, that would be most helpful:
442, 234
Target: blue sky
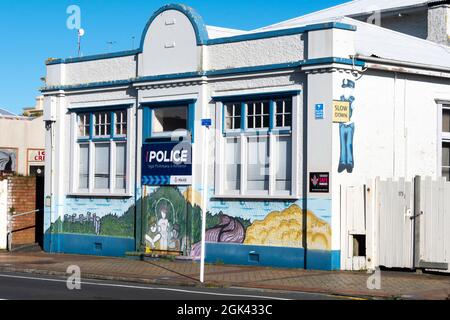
34, 30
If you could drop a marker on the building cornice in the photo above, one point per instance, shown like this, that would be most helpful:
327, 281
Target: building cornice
189, 77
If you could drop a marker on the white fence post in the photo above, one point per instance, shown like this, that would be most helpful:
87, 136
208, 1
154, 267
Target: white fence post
3, 214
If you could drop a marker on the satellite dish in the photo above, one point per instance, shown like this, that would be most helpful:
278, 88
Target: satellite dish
81, 32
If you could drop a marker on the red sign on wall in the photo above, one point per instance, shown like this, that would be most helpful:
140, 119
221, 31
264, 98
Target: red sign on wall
36, 155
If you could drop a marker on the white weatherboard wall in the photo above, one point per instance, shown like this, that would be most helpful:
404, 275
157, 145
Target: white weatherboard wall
396, 136
3, 214
396, 127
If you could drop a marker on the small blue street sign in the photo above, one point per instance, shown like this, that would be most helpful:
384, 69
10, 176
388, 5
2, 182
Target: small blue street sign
319, 112
206, 122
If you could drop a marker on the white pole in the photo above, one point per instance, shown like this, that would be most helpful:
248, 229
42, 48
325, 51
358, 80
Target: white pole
204, 197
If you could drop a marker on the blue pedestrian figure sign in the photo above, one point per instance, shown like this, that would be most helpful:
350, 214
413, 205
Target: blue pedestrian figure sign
167, 164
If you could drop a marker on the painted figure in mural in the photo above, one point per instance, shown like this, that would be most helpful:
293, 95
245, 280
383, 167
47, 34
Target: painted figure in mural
97, 224
347, 130
153, 236
175, 243
163, 227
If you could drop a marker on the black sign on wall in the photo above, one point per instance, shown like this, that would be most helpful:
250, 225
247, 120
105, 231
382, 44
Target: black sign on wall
319, 182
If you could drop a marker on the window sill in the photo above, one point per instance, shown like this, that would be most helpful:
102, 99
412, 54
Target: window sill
255, 197
99, 195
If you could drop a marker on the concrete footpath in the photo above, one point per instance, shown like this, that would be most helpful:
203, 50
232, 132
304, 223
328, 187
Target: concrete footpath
394, 285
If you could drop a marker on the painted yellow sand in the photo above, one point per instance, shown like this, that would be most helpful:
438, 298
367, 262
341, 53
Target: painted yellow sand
193, 197
284, 229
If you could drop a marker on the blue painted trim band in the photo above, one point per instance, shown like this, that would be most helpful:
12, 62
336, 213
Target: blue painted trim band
282, 257
270, 67
210, 73
93, 57
173, 76
91, 85
173, 103
244, 114
282, 32
346, 61
88, 244
257, 96
99, 109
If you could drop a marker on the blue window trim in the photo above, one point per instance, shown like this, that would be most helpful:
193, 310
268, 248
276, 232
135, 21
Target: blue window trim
148, 116
91, 111
243, 99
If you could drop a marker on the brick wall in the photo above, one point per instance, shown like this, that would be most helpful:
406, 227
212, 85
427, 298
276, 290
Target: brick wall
21, 199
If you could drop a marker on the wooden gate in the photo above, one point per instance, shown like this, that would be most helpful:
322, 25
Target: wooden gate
402, 224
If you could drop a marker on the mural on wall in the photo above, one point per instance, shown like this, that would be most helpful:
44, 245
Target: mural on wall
347, 130
172, 219
276, 224
173, 222
285, 229
8, 160
97, 217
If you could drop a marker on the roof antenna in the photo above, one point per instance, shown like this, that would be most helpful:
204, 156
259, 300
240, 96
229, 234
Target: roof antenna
81, 33
111, 43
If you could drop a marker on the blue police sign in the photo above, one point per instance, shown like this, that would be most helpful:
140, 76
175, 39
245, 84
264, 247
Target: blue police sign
167, 164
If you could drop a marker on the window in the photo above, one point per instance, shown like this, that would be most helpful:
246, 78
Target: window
170, 119
283, 114
446, 141
257, 150
164, 120
102, 152
121, 123
102, 124
233, 116
84, 125
258, 115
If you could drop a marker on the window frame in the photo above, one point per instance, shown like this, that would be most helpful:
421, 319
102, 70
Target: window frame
272, 133
444, 137
148, 110
92, 140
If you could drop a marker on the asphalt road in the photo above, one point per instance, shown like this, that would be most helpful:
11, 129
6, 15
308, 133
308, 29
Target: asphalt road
32, 287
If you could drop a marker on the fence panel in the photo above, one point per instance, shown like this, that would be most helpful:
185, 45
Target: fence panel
353, 220
395, 237
435, 221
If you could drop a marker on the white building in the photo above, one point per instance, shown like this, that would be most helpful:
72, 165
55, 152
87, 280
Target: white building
277, 119
22, 144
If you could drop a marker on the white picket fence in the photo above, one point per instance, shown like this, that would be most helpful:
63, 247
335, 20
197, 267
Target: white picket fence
404, 225
3, 214
435, 221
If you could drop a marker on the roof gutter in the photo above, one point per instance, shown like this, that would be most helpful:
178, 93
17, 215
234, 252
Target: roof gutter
401, 63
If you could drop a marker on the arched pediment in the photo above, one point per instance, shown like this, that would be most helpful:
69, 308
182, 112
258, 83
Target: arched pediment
171, 41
